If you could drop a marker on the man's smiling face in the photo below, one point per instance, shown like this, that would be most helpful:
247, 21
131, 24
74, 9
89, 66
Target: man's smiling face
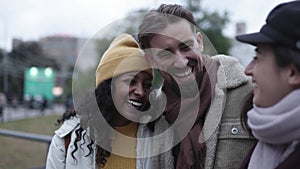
177, 51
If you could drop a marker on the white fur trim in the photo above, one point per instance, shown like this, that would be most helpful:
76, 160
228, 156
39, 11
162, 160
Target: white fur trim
230, 72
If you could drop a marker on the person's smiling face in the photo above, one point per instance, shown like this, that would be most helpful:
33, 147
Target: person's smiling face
270, 80
130, 94
177, 51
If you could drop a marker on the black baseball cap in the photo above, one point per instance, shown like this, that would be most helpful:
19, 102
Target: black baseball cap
282, 27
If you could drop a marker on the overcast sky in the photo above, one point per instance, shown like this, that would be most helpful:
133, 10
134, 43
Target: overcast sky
33, 19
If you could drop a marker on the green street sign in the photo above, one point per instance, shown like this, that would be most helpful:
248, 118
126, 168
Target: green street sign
39, 82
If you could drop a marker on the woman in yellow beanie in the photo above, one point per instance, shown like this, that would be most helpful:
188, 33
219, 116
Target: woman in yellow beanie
123, 81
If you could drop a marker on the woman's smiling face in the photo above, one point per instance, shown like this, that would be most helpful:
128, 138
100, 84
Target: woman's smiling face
130, 93
270, 80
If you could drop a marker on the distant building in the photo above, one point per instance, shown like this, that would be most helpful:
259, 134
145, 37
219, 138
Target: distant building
89, 54
61, 52
65, 50
240, 28
243, 52
60, 47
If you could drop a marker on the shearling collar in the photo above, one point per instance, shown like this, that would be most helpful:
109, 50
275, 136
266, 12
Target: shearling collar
230, 72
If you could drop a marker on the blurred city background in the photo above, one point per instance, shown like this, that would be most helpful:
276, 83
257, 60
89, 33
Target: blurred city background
36, 69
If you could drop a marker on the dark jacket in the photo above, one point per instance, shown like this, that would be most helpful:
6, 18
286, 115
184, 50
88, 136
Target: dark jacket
291, 162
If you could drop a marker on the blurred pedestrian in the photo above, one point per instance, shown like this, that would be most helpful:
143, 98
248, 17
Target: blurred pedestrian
31, 103
14, 101
44, 105
69, 104
3, 102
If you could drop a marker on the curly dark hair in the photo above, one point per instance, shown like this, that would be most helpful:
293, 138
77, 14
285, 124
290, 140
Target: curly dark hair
107, 109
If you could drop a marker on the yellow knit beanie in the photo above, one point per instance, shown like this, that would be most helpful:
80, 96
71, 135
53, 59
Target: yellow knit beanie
122, 56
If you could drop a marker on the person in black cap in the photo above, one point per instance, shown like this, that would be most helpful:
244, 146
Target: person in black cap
275, 72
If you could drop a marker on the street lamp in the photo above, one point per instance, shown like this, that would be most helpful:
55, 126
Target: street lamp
5, 75
5, 61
